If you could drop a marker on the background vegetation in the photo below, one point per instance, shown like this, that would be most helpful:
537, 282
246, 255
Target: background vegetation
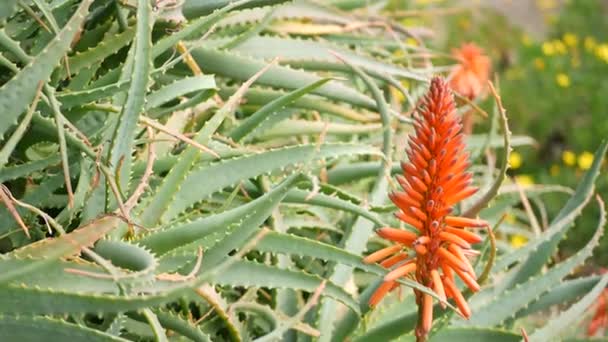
215, 170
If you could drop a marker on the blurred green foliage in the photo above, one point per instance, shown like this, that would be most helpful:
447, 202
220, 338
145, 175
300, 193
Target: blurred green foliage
554, 90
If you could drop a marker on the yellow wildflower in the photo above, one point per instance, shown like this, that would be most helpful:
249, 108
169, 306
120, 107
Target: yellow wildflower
569, 158
548, 48
601, 52
590, 43
560, 47
525, 39
554, 170
518, 241
411, 41
570, 39
585, 160
539, 63
515, 160
562, 80
397, 94
524, 181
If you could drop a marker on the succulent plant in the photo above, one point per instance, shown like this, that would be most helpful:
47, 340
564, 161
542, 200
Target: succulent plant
216, 170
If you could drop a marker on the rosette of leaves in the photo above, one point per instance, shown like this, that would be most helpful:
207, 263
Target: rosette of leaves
165, 177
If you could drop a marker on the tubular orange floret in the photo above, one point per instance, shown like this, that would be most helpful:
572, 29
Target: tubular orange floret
464, 234
392, 261
468, 280
380, 292
438, 286
464, 222
400, 272
434, 179
451, 259
402, 200
461, 303
457, 251
381, 254
427, 313
397, 235
409, 220
449, 237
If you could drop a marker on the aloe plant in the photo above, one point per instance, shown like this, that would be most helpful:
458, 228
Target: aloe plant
216, 170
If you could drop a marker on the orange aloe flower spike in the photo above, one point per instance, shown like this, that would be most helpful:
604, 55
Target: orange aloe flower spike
470, 77
434, 179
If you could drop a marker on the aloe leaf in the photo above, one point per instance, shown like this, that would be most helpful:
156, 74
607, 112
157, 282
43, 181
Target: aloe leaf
266, 47
289, 128
566, 291
196, 9
308, 10
249, 225
196, 186
26, 328
294, 245
274, 242
158, 205
63, 246
477, 334
327, 201
179, 88
57, 276
122, 142
250, 125
157, 329
22, 299
35, 197
520, 296
566, 319
82, 189
182, 234
349, 322
391, 328
262, 96
177, 324
247, 273
251, 32
135, 258
106, 48
342, 174
356, 240
502, 174
71, 99
537, 252
68, 244
7, 8
18, 92
196, 27
214, 61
